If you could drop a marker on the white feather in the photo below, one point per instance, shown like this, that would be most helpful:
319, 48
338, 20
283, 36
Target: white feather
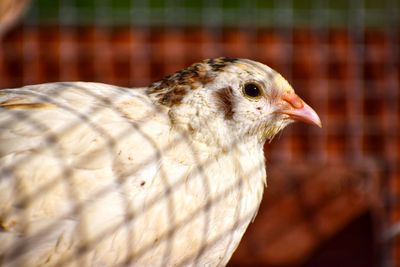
99, 176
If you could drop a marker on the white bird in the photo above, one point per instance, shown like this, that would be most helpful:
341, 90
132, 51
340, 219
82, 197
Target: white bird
167, 175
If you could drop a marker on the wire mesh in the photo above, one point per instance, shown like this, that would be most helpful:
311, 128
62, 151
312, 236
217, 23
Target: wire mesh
342, 57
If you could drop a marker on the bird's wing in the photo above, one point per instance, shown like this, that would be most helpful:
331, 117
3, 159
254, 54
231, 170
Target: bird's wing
73, 152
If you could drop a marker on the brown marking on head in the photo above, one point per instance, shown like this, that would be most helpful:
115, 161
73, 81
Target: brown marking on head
173, 97
225, 102
172, 89
218, 64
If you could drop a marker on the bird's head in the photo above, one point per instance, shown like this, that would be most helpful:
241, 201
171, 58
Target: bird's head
249, 98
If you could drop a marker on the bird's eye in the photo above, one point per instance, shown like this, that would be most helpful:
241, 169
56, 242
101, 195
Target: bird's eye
252, 90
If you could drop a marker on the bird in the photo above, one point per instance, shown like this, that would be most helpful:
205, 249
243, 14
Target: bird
170, 174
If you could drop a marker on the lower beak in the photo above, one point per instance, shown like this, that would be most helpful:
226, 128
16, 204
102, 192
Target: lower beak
298, 110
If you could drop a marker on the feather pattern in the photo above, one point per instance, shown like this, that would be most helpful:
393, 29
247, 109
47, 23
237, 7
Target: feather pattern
100, 175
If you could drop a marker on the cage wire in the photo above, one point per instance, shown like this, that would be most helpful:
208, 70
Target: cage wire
341, 56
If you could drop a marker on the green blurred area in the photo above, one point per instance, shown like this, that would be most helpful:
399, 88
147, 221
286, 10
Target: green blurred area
369, 13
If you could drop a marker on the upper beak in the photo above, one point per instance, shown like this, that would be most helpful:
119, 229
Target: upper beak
298, 110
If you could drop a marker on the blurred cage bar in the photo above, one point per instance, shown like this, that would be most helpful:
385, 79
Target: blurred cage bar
342, 56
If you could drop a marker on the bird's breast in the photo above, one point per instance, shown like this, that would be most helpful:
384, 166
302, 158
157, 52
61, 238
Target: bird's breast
209, 206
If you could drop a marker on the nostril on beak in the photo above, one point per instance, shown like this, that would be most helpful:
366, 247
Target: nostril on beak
293, 100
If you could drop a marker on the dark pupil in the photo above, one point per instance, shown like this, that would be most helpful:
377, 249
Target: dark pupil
252, 90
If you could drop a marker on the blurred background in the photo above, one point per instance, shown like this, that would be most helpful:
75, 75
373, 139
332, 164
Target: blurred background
333, 196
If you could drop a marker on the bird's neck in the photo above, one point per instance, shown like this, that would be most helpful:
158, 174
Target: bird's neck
206, 128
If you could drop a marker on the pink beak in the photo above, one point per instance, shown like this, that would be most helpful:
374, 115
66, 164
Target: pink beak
298, 110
